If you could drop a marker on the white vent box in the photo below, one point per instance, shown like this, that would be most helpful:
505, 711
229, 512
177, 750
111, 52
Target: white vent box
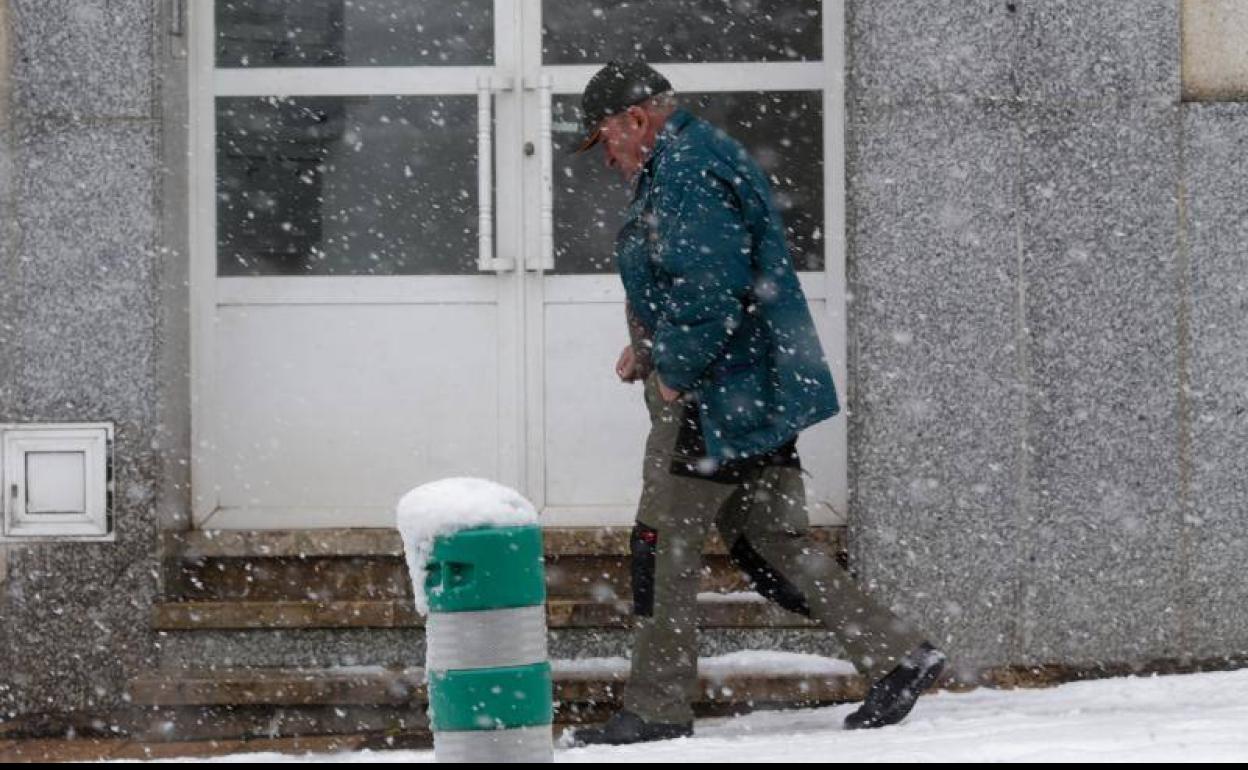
56, 481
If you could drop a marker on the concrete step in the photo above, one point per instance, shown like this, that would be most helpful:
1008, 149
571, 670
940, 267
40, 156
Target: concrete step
389, 704
400, 647
345, 565
575, 682
311, 543
342, 597
374, 578
49, 750
715, 610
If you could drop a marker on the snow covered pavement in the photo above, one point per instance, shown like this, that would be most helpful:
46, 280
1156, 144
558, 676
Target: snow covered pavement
1195, 717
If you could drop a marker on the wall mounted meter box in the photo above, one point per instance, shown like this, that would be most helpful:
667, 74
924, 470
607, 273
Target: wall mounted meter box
57, 481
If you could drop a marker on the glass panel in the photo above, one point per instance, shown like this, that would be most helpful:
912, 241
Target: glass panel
355, 33
783, 130
577, 32
380, 185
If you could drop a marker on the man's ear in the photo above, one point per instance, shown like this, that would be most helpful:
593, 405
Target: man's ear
639, 116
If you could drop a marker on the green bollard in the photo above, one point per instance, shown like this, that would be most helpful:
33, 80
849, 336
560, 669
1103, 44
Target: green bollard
486, 659
474, 551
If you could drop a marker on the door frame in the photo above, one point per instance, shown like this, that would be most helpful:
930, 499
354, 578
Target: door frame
522, 348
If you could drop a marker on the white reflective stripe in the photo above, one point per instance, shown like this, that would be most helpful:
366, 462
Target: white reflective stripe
486, 639
523, 744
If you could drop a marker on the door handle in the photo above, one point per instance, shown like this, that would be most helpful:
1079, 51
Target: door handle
487, 260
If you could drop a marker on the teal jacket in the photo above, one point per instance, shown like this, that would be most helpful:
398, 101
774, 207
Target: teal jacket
707, 272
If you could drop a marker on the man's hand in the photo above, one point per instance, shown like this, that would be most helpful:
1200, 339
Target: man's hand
667, 393
626, 365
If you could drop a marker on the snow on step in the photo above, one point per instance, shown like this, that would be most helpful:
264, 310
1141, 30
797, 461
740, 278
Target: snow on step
772, 663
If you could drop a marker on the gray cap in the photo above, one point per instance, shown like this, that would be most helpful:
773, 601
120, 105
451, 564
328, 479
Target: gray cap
613, 89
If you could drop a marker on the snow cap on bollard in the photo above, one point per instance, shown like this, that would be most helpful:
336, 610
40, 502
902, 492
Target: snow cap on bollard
474, 552
445, 507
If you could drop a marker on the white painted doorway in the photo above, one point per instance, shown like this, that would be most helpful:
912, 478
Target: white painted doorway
375, 308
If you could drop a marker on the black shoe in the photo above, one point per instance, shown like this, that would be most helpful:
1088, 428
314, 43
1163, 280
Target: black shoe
626, 727
891, 698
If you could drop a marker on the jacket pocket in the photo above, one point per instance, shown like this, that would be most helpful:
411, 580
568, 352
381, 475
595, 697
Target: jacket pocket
739, 397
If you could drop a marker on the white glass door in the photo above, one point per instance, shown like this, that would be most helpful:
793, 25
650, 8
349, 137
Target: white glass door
759, 71
357, 307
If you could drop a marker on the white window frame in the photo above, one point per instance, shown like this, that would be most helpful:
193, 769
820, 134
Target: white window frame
95, 442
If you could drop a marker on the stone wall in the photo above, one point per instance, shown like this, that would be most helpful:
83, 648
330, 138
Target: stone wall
1047, 421
80, 333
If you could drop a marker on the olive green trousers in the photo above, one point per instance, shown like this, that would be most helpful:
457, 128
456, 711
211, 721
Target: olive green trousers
762, 518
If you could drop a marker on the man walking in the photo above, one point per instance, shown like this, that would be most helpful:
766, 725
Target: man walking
723, 337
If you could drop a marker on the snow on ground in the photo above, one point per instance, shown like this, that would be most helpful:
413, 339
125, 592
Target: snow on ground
1196, 717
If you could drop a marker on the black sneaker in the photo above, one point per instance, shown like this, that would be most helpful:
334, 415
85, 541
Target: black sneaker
626, 727
891, 698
